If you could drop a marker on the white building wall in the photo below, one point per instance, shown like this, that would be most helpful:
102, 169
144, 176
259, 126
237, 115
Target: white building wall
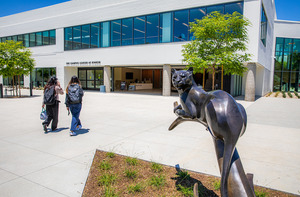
287, 29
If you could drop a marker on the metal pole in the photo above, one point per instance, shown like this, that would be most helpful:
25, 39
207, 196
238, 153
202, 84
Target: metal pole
1, 90
30, 86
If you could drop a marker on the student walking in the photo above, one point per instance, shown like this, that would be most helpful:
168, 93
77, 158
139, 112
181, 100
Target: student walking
51, 99
74, 94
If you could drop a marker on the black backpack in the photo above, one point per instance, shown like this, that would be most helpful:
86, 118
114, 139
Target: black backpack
73, 94
49, 96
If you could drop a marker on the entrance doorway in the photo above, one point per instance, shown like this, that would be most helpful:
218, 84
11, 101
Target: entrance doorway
91, 78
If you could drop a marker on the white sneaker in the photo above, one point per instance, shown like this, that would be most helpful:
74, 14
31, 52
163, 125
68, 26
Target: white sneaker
72, 133
78, 127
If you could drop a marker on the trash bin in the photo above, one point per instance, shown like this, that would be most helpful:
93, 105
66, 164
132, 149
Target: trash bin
102, 88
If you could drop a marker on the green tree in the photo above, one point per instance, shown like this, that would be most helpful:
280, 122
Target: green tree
219, 41
15, 60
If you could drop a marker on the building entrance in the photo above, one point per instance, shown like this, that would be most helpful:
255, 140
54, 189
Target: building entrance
91, 78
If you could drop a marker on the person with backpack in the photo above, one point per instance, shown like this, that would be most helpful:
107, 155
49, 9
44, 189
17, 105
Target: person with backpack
74, 94
51, 99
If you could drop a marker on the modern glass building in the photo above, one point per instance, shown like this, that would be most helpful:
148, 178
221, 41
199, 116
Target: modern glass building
139, 42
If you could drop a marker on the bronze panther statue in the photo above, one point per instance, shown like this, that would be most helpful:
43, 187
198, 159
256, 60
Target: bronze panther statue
223, 117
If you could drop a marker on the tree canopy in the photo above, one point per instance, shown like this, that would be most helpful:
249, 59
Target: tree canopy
218, 40
15, 59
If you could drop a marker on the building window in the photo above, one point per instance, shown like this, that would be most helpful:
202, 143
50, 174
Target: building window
45, 38
8, 81
40, 76
26, 40
263, 26
52, 37
181, 25
139, 30
39, 39
127, 31
152, 28
85, 36
116, 33
32, 40
165, 23
105, 29
77, 37
95, 35
68, 38
162, 27
287, 65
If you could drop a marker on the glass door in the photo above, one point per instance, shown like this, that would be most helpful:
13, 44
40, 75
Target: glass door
91, 78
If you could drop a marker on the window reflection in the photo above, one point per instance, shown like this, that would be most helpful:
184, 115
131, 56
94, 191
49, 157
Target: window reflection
116, 33
85, 36
152, 27
127, 34
68, 38
77, 37
95, 35
165, 25
45, 38
139, 30
181, 26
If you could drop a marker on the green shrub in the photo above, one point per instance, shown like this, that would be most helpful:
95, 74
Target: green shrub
156, 167
105, 165
260, 193
276, 94
135, 188
110, 192
110, 154
132, 174
157, 181
217, 185
283, 94
290, 94
131, 161
107, 179
183, 174
186, 191
269, 94
296, 93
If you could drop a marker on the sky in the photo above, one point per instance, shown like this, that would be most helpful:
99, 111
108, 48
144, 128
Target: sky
286, 9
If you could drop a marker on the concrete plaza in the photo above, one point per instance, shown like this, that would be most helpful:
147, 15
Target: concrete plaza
54, 164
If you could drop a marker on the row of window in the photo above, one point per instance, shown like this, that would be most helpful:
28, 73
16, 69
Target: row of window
155, 28
34, 39
287, 64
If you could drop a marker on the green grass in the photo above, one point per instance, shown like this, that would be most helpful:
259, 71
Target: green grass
156, 167
186, 191
136, 188
157, 181
110, 154
217, 185
107, 179
110, 192
132, 174
183, 174
131, 161
260, 193
105, 165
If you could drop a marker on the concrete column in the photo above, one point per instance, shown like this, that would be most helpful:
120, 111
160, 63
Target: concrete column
107, 76
250, 82
166, 80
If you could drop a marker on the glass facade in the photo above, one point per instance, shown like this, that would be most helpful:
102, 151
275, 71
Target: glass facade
40, 76
34, 39
155, 28
287, 65
90, 78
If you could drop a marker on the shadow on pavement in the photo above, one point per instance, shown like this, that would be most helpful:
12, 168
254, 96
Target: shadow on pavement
82, 131
57, 130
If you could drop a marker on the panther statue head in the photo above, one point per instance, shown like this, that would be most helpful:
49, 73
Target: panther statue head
182, 79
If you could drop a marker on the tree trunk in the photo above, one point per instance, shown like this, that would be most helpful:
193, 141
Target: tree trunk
222, 79
13, 85
19, 86
203, 84
213, 78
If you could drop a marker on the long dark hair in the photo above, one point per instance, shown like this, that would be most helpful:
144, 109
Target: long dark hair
52, 81
73, 80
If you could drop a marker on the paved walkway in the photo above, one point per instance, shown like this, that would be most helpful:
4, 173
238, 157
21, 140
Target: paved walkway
36, 164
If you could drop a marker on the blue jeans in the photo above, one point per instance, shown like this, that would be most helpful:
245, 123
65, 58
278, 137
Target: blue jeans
75, 111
